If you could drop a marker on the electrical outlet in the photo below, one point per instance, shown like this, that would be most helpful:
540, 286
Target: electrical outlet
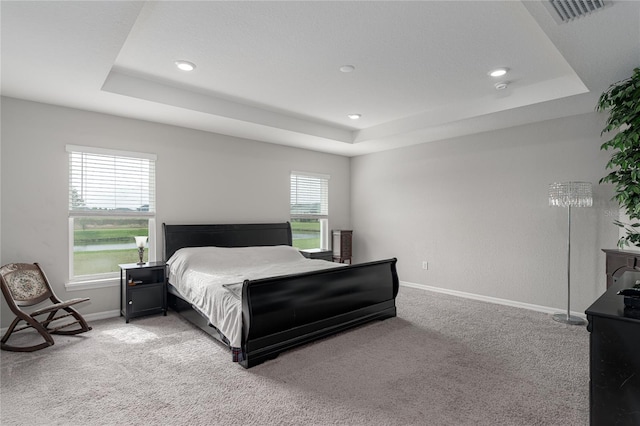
425, 265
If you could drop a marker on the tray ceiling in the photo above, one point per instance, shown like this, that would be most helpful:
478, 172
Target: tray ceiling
270, 71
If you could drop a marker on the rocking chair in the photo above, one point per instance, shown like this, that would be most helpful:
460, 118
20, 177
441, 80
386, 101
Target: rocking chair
24, 285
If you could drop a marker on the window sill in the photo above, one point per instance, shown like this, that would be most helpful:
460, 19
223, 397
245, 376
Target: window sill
92, 284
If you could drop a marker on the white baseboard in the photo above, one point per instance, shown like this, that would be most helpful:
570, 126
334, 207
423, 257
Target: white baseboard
529, 306
115, 313
101, 315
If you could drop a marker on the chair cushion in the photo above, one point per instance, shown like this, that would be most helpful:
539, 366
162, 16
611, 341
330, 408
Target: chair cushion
26, 284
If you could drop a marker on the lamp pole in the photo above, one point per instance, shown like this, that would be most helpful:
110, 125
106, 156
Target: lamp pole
569, 263
567, 195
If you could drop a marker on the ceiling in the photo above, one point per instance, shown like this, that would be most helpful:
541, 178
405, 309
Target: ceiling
270, 71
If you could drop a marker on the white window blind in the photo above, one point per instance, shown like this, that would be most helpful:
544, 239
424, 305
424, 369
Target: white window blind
309, 196
110, 183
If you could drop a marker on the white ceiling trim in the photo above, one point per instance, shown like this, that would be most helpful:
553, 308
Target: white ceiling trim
127, 85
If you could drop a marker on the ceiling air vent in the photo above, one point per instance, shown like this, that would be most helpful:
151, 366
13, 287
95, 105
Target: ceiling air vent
568, 10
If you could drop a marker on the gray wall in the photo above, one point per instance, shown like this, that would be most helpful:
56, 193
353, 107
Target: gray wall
476, 208
201, 178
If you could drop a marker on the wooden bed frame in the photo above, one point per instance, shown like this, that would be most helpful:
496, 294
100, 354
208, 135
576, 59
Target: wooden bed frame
283, 312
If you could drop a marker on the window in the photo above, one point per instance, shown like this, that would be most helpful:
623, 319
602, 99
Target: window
111, 200
309, 210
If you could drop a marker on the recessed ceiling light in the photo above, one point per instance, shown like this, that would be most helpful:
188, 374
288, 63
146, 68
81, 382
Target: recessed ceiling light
185, 65
354, 116
502, 85
347, 68
499, 72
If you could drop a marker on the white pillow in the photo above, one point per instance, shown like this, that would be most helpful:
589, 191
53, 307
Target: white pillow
222, 258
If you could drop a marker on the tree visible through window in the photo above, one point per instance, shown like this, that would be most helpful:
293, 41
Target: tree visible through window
309, 210
111, 200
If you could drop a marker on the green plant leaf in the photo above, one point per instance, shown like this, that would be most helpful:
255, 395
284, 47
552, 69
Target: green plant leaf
622, 101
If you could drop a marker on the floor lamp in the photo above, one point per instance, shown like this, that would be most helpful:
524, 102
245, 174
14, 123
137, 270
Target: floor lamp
570, 194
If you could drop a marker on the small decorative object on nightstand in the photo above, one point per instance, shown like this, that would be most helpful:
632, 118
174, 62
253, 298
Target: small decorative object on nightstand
140, 242
143, 289
318, 254
342, 245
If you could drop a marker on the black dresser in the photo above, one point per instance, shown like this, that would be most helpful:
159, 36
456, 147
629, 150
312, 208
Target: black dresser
614, 388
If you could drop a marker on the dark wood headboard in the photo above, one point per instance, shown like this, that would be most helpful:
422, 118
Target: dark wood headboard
232, 235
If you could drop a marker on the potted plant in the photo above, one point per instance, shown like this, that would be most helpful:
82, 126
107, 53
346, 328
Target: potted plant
622, 100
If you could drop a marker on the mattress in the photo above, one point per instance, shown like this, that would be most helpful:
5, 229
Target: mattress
211, 278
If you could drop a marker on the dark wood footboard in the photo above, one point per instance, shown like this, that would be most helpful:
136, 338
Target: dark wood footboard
283, 312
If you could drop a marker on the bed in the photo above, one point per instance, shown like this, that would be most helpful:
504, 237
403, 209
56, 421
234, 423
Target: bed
275, 313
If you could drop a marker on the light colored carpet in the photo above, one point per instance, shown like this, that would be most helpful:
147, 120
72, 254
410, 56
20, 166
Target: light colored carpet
443, 361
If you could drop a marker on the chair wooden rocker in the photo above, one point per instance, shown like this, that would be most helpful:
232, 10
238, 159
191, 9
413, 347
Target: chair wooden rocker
24, 285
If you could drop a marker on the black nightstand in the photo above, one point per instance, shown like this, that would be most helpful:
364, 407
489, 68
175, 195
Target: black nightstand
318, 254
143, 289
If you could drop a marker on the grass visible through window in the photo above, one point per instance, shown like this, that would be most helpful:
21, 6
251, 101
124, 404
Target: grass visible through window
306, 233
101, 244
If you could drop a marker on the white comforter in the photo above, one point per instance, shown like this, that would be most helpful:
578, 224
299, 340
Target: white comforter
205, 276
